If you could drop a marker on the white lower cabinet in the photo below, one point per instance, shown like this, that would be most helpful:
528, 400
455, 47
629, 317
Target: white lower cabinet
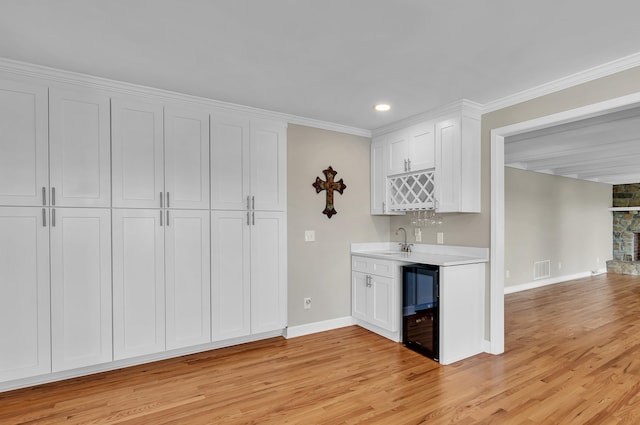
80, 287
154, 311
375, 292
248, 281
24, 293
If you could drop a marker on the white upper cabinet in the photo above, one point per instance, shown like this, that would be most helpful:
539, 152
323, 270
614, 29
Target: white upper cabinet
230, 170
248, 163
79, 149
268, 165
457, 180
422, 148
397, 152
186, 150
24, 174
378, 176
410, 149
80, 287
187, 265
24, 293
137, 146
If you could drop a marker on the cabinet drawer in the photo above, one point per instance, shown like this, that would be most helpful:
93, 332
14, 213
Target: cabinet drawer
372, 266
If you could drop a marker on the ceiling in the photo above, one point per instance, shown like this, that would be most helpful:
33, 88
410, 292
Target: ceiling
332, 60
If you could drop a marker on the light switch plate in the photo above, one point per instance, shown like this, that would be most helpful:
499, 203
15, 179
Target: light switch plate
440, 238
309, 235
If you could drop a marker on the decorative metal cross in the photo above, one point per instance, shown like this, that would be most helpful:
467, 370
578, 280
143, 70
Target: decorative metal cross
330, 186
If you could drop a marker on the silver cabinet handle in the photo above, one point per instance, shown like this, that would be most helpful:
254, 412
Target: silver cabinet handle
160, 218
253, 202
167, 210
161, 203
248, 203
253, 218
384, 207
53, 196
248, 217
44, 196
167, 205
409, 164
44, 218
405, 165
53, 217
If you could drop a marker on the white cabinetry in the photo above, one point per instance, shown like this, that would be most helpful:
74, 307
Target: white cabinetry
24, 293
138, 283
80, 287
457, 181
248, 163
80, 149
379, 186
248, 282
24, 139
145, 242
375, 294
411, 149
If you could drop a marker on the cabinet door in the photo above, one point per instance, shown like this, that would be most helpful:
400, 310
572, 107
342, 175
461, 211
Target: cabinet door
186, 146
188, 287
378, 177
397, 152
80, 287
381, 303
268, 271
268, 165
24, 293
230, 274
359, 290
138, 283
24, 142
422, 149
448, 172
229, 162
80, 149
137, 145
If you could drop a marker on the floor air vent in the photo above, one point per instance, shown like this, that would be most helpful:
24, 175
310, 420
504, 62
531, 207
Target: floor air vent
541, 269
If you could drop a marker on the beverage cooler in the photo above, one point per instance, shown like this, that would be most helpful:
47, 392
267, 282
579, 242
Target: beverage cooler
420, 309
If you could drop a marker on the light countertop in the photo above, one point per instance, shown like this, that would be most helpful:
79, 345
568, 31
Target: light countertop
437, 255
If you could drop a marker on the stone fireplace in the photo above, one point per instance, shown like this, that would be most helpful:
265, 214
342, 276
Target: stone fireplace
626, 230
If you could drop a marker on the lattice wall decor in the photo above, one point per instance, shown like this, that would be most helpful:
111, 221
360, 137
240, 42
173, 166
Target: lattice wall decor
414, 191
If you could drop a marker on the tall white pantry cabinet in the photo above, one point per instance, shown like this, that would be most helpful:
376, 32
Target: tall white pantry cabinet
133, 227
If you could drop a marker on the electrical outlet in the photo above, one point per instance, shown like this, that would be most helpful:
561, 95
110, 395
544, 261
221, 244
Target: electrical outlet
559, 265
307, 303
309, 235
440, 238
418, 234
507, 274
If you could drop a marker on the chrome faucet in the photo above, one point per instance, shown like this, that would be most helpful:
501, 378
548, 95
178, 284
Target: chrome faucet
404, 247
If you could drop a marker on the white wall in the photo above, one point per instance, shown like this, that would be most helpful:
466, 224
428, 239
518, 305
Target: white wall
322, 269
555, 218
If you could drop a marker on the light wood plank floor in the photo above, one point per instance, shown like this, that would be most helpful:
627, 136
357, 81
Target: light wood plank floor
573, 357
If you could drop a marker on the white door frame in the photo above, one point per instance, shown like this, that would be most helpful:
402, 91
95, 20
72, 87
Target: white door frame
496, 298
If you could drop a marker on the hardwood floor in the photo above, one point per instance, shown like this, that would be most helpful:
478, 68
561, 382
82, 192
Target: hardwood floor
573, 357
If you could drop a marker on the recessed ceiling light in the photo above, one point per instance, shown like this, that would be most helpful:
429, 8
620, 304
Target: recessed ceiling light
382, 107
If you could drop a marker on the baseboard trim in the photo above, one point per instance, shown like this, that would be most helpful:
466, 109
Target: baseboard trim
551, 281
315, 327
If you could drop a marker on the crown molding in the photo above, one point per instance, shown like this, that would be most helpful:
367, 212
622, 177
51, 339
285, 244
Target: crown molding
463, 106
59, 76
581, 77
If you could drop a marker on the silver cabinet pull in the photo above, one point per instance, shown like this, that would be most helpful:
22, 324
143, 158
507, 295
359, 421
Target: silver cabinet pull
167, 210
248, 218
44, 196
53, 217
44, 218
253, 202
167, 206
53, 196
409, 164
248, 203
253, 218
161, 203
160, 218
384, 207
405, 165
